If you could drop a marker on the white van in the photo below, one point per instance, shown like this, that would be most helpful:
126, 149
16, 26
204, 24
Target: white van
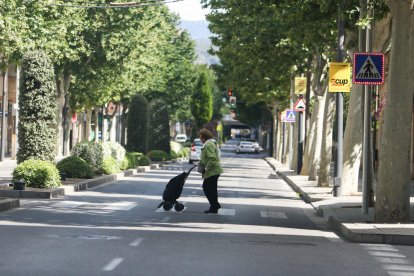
181, 138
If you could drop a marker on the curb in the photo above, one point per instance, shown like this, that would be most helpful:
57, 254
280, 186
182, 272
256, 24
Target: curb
7, 204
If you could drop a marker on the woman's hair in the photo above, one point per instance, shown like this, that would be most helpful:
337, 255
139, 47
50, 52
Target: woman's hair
205, 133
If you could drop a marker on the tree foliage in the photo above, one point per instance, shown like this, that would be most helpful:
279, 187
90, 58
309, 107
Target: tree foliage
201, 103
137, 135
159, 126
37, 108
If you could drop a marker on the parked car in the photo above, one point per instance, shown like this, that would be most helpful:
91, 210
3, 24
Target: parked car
246, 146
181, 138
230, 145
195, 151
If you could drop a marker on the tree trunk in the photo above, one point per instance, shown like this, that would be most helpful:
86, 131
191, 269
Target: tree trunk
124, 120
326, 147
393, 190
315, 149
352, 143
87, 133
62, 116
319, 87
96, 122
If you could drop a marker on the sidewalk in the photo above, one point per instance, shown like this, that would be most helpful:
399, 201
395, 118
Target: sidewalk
345, 213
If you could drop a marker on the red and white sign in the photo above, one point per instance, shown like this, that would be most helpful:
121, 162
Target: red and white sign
299, 105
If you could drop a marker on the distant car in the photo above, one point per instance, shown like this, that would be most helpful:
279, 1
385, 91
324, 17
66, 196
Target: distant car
195, 151
246, 147
255, 144
230, 145
181, 138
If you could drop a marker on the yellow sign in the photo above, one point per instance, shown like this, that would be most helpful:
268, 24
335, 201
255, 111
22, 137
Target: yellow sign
339, 77
300, 85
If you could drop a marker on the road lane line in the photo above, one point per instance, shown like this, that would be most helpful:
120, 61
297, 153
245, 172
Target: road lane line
113, 264
136, 242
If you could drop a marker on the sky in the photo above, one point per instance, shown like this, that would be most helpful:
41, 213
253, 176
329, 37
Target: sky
188, 9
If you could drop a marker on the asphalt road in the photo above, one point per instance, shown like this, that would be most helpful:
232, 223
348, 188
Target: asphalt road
262, 229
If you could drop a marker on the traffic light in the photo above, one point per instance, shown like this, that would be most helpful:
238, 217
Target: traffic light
230, 91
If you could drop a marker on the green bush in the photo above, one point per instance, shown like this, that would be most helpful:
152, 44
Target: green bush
109, 166
159, 126
90, 152
37, 174
125, 164
115, 150
75, 167
185, 152
158, 155
37, 109
137, 124
173, 155
144, 160
136, 159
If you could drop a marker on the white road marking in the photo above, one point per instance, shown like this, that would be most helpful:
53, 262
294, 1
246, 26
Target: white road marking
276, 215
136, 242
68, 204
115, 206
112, 264
226, 212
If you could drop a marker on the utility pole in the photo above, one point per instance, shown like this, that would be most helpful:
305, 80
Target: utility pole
339, 110
4, 109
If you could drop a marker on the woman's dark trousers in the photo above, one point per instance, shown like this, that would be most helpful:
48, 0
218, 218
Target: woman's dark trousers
210, 190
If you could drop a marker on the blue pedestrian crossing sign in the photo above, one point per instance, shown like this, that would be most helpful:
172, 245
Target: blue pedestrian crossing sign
368, 68
290, 116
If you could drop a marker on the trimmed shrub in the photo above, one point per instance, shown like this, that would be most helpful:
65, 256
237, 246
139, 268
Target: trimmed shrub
90, 152
137, 134
158, 155
175, 146
37, 174
185, 152
144, 160
114, 150
75, 167
136, 159
109, 166
173, 155
159, 126
37, 109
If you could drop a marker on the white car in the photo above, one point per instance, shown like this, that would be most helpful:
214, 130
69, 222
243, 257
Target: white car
181, 138
247, 147
195, 151
230, 145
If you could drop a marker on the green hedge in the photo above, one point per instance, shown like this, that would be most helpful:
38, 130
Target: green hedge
158, 155
75, 167
91, 152
110, 166
135, 159
37, 174
37, 109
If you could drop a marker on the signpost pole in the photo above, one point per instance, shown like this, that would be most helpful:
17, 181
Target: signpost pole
367, 158
339, 111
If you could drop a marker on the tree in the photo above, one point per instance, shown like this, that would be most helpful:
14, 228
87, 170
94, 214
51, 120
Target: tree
137, 135
393, 190
159, 126
201, 103
37, 133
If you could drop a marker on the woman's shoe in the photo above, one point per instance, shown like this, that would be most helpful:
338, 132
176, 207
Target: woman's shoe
211, 211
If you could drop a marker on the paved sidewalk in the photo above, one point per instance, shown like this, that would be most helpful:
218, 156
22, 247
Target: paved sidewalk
345, 213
